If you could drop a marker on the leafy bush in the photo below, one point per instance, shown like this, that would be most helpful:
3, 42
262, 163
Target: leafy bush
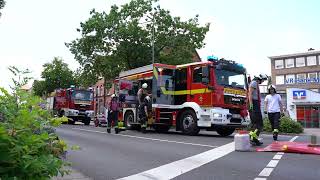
29, 147
287, 125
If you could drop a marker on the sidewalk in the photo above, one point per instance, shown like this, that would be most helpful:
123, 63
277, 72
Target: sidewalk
74, 175
311, 131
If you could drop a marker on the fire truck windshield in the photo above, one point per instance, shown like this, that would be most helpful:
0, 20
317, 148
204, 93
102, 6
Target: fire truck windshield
82, 95
230, 78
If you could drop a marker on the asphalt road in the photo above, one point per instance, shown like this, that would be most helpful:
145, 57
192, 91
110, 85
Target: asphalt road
135, 156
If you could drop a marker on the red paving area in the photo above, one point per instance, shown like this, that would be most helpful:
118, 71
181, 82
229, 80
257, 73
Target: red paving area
290, 147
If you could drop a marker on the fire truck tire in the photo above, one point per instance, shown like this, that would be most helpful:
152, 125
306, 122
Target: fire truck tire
188, 122
225, 131
71, 121
161, 128
128, 119
86, 121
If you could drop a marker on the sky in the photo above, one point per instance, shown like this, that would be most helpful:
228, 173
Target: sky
248, 31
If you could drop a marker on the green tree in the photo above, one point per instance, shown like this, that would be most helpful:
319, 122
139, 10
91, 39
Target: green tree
39, 88
122, 38
56, 75
2, 3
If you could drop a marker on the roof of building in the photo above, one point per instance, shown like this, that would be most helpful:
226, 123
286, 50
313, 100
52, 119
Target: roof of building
295, 54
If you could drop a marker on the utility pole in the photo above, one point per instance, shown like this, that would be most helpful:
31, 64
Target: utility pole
152, 38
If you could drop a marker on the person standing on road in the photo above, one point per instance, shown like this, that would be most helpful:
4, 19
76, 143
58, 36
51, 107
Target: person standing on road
113, 114
255, 109
142, 93
273, 107
144, 113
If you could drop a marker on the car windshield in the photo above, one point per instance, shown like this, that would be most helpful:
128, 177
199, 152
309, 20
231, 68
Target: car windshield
230, 79
82, 95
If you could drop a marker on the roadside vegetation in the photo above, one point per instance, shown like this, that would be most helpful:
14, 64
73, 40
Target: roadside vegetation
287, 125
29, 146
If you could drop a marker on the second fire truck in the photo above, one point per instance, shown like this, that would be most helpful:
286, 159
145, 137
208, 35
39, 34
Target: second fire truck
203, 95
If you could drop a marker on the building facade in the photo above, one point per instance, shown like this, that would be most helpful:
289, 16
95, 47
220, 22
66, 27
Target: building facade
297, 77
300, 70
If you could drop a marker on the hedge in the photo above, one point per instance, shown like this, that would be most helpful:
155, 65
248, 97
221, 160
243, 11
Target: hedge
287, 125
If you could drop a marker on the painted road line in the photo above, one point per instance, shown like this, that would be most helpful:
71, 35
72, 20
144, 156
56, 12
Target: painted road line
177, 168
272, 164
151, 139
266, 172
294, 138
260, 178
277, 156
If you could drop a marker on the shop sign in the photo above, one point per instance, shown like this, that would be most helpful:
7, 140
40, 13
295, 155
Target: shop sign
299, 94
302, 81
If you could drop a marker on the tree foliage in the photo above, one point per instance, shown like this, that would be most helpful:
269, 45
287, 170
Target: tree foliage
39, 88
2, 4
122, 38
56, 74
29, 148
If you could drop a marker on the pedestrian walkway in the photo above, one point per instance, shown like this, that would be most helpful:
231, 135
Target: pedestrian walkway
312, 131
74, 175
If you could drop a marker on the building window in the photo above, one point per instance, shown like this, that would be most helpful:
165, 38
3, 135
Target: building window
314, 90
300, 62
312, 77
311, 60
279, 79
278, 64
289, 63
301, 78
290, 79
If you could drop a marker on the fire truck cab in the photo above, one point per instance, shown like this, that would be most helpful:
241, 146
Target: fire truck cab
204, 95
74, 103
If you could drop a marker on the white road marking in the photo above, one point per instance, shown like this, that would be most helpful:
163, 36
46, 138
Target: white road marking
174, 169
277, 156
266, 172
260, 178
152, 139
272, 164
294, 138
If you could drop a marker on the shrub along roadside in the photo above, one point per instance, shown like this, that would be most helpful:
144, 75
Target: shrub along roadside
287, 125
29, 147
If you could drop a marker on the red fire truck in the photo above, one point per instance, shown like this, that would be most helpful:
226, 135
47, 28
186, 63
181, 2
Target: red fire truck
203, 95
74, 103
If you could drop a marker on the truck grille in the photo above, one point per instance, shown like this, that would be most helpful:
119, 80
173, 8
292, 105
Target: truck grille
234, 100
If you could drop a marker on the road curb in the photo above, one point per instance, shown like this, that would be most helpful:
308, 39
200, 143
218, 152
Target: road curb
74, 175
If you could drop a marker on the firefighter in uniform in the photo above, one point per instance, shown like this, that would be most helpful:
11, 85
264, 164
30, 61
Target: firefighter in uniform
273, 107
255, 109
113, 114
144, 110
142, 93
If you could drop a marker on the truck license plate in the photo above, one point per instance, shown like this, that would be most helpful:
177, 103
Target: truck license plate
236, 116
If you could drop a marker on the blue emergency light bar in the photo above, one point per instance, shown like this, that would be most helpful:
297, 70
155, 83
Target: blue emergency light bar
212, 58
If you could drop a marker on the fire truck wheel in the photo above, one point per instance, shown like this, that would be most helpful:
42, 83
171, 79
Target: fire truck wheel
188, 121
225, 131
70, 121
128, 119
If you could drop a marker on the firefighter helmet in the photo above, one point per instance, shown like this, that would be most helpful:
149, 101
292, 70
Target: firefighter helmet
263, 77
148, 98
144, 85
